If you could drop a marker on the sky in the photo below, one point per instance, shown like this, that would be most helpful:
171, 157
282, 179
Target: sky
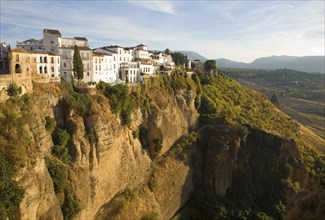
236, 30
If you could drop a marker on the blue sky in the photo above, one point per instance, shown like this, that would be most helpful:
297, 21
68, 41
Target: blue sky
237, 30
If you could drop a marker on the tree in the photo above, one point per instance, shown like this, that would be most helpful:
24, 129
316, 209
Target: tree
179, 58
274, 99
13, 89
167, 51
210, 65
78, 68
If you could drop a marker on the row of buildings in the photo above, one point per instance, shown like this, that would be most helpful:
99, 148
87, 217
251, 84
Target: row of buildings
51, 59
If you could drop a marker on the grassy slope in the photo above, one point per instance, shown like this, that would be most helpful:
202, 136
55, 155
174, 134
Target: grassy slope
303, 102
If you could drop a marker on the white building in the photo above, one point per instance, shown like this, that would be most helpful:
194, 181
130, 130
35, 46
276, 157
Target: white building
103, 68
31, 45
112, 64
130, 72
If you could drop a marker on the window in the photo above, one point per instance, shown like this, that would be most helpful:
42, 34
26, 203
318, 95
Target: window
58, 60
64, 65
52, 42
17, 58
52, 69
52, 75
17, 68
87, 73
45, 59
52, 59
40, 70
41, 59
27, 69
52, 50
45, 69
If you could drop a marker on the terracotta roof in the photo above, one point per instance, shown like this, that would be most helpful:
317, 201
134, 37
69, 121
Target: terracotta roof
19, 50
52, 31
98, 54
72, 47
31, 41
81, 38
112, 46
141, 45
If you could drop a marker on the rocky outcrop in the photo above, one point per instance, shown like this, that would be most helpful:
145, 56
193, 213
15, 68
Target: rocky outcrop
109, 160
109, 163
168, 119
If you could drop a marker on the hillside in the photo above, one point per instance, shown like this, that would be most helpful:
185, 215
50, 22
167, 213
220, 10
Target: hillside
311, 64
175, 147
301, 94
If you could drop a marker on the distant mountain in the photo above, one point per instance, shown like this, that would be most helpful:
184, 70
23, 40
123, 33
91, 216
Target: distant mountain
314, 64
194, 56
225, 63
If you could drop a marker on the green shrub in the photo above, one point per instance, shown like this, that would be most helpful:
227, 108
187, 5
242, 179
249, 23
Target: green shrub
129, 195
13, 89
58, 174
91, 135
50, 124
60, 137
14, 135
81, 103
70, 206
121, 101
11, 193
61, 152
135, 134
143, 137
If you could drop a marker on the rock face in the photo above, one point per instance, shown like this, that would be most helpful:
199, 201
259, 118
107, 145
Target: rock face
168, 119
104, 167
113, 162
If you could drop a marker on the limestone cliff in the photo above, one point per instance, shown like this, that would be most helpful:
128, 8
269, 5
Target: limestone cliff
167, 163
104, 168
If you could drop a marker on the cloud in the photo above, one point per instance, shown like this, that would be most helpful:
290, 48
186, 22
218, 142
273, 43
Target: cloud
160, 6
241, 31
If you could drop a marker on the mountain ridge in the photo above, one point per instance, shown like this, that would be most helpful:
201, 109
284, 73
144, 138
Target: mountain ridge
311, 64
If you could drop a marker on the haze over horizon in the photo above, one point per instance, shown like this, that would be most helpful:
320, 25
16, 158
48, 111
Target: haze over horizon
236, 30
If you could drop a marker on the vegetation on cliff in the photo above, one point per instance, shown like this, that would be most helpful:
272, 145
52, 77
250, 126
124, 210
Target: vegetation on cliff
14, 143
121, 101
10, 193
239, 132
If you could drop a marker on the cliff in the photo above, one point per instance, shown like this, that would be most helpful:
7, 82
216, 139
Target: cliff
175, 158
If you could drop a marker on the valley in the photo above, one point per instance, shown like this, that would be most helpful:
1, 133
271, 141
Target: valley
301, 95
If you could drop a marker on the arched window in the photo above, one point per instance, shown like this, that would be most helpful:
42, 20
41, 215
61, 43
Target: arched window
17, 68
